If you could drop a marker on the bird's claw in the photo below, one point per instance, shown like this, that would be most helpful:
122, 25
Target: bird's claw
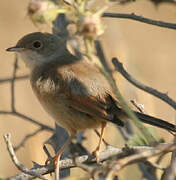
50, 161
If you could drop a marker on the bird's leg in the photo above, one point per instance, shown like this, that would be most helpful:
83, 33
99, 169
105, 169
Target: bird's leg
62, 149
58, 155
97, 150
56, 158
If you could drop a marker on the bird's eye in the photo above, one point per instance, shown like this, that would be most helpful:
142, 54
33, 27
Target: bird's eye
37, 44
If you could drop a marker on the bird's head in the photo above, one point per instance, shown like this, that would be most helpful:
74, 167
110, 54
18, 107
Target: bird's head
39, 48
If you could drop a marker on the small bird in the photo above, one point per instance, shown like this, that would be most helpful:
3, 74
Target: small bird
72, 89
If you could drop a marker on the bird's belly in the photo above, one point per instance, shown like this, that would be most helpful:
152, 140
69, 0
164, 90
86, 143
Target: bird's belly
65, 116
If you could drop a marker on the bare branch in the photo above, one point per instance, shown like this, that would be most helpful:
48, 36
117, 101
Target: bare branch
140, 107
142, 19
20, 166
33, 121
139, 153
119, 164
13, 111
155, 165
5, 80
170, 173
126, 132
154, 92
13, 84
43, 126
23, 141
102, 58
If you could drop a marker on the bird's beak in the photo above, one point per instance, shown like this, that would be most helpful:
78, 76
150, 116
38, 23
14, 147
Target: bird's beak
15, 49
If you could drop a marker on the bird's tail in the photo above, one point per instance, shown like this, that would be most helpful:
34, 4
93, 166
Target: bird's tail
156, 122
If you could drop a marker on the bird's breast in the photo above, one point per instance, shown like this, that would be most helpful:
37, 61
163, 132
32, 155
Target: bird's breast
55, 101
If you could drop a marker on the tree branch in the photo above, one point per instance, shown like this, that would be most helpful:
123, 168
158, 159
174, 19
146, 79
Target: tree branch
134, 154
119, 164
12, 89
142, 19
43, 126
5, 80
170, 173
20, 166
21, 144
154, 92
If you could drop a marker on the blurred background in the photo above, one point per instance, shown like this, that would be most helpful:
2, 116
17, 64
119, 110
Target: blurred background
147, 52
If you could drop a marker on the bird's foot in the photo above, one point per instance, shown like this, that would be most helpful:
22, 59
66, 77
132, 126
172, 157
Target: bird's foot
52, 161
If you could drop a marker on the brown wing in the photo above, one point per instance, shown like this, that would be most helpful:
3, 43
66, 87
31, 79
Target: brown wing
105, 110
87, 91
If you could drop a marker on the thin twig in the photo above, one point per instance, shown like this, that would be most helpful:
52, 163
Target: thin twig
13, 84
125, 132
13, 110
155, 165
81, 165
93, 170
142, 19
154, 92
6, 112
139, 107
43, 126
170, 173
33, 121
20, 166
119, 164
47, 152
102, 58
108, 74
5, 80
23, 141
